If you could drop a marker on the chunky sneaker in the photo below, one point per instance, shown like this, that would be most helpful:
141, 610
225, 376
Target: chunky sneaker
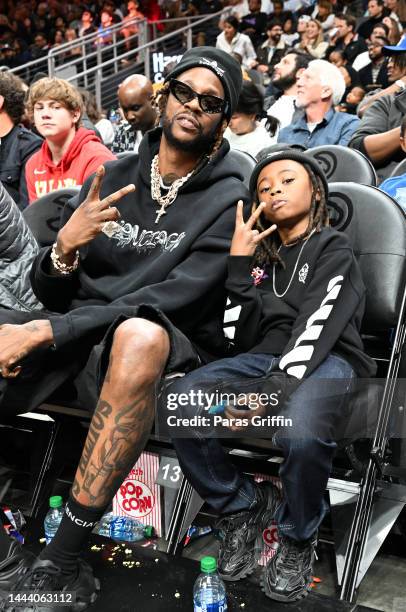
241, 534
44, 577
288, 575
13, 566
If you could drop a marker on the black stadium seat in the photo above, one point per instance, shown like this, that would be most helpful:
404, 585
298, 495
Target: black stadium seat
376, 226
341, 164
245, 162
43, 215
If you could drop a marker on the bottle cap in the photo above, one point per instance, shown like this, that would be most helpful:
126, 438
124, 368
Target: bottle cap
148, 531
56, 501
208, 564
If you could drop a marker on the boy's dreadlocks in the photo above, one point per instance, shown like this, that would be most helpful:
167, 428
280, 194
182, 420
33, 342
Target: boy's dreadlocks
267, 250
160, 100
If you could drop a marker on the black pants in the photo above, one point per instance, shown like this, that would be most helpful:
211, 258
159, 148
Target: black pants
314, 410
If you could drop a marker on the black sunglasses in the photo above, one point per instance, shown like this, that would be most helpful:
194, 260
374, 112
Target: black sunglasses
209, 104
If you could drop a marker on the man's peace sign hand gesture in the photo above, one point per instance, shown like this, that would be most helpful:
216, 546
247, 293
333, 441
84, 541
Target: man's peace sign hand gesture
89, 218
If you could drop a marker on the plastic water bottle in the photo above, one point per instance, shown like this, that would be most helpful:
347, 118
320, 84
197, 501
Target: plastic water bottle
123, 528
209, 592
114, 118
53, 517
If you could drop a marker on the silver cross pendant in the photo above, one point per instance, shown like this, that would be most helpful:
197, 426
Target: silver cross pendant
159, 214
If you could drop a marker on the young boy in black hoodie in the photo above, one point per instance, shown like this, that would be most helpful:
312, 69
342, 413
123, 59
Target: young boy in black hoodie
126, 285
295, 304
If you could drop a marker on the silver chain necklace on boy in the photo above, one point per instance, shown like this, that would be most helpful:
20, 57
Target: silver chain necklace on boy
280, 295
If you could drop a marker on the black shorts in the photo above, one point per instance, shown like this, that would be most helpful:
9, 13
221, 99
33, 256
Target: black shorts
74, 375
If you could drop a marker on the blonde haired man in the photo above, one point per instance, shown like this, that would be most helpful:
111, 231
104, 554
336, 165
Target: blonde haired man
69, 153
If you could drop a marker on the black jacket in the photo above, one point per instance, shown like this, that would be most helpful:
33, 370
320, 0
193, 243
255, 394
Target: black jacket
365, 27
15, 149
262, 52
352, 50
365, 77
320, 313
178, 265
258, 22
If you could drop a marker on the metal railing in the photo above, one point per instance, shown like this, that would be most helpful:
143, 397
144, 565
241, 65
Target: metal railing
110, 66
55, 60
93, 43
190, 21
148, 32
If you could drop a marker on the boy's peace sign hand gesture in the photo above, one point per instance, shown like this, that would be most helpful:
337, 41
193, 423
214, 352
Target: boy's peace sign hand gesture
245, 238
88, 219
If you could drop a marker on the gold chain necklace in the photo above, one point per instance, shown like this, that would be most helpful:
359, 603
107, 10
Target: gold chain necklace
168, 198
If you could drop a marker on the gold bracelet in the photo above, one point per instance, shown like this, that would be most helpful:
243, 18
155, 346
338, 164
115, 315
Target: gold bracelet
61, 267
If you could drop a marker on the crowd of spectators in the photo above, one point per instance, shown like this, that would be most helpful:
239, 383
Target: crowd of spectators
330, 72
28, 30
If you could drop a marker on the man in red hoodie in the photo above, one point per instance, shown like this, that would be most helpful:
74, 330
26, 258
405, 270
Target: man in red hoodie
69, 153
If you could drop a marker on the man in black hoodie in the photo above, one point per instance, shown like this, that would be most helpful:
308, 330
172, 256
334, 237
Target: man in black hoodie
134, 288
17, 144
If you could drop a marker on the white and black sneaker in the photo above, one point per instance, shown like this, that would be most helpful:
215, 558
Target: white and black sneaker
241, 534
288, 575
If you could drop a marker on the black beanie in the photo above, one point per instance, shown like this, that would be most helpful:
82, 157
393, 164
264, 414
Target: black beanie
286, 153
224, 66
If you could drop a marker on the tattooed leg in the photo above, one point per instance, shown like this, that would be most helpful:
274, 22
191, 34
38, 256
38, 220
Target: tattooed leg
124, 414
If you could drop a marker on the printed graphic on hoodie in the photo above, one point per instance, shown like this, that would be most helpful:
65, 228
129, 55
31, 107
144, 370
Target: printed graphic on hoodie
83, 156
295, 362
142, 239
44, 187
